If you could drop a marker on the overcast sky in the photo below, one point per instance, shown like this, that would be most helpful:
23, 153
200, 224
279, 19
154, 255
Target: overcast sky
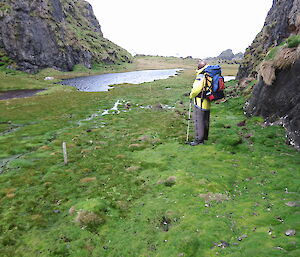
200, 28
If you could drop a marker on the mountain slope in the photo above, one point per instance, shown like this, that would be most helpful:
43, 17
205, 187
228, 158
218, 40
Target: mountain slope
54, 33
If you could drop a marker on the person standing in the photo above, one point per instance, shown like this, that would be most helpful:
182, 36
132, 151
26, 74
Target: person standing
201, 110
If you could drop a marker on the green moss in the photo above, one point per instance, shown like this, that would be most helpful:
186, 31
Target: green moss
293, 41
116, 163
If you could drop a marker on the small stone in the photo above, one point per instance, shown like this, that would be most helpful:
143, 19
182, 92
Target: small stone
291, 204
290, 232
223, 244
48, 78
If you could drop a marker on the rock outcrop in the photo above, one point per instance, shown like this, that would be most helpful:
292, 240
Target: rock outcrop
274, 60
280, 102
282, 21
38, 34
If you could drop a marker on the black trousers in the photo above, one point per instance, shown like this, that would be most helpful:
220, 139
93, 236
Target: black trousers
201, 121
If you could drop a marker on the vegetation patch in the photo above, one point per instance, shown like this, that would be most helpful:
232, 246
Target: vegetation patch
231, 196
279, 58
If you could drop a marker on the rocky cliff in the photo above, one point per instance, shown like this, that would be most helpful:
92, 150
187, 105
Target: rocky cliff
282, 21
274, 59
37, 34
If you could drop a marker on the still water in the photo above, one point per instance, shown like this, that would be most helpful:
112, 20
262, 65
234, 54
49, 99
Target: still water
105, 81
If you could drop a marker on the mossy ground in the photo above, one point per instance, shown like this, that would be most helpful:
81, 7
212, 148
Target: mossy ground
132, 186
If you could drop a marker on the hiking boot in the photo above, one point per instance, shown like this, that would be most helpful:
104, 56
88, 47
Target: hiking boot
194, 143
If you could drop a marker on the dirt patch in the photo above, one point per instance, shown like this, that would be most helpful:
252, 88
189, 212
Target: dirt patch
211, 197
86, 180
169, 182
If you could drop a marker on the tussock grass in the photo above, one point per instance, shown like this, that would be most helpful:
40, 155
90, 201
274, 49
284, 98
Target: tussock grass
279, 58
286, 57
267, 71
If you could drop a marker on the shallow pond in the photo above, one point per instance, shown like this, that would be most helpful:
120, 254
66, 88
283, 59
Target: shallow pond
18, 93
105, 81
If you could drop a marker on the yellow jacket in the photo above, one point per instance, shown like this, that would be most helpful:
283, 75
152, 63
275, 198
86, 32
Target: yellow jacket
198, 87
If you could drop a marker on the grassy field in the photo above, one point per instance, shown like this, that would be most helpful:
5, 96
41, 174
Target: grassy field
132, 187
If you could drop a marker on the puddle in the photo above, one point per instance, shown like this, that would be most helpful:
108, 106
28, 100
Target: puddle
4, 95
5, 161
12, 129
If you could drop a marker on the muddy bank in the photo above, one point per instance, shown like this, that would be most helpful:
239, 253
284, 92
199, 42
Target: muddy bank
19, 93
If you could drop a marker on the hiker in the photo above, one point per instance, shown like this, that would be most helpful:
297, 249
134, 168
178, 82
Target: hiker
201, 110
208, 86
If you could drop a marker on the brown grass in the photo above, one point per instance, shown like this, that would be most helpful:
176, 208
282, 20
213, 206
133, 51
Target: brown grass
267, 71
209, 197
85, 218
135, 145
285, 58
85, 180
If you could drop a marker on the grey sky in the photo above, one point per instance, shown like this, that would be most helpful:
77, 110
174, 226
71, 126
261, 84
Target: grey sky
200, 28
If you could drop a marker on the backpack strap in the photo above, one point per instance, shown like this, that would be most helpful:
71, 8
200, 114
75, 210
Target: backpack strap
208, 83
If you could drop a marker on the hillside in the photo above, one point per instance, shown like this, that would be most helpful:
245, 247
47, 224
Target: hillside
53, 33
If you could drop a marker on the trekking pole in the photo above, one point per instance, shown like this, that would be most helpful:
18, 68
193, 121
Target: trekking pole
188, 127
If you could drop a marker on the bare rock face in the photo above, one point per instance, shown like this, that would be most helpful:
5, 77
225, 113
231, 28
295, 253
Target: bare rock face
280, 102
38, 34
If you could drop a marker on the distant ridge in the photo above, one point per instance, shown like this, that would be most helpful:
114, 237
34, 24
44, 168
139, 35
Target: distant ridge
227, 55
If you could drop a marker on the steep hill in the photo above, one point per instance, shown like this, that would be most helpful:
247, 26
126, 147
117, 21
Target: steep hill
274, 59
37, 34
227, 55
